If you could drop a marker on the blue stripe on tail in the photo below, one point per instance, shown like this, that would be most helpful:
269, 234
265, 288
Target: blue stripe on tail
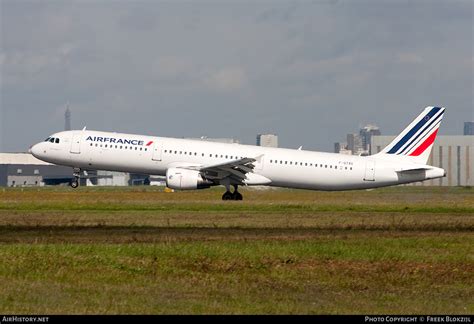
420, 134
415, 128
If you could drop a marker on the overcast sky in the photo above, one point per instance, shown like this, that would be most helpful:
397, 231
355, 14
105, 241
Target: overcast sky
309, 71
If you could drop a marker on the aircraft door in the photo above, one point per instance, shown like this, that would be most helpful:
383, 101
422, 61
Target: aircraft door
369, 170
157, 151
76, 144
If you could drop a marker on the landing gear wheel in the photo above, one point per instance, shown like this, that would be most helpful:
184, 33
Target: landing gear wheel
227, 196
236, 195
75, 183
76, 173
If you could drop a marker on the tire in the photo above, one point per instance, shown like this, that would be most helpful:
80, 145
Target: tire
74, 184
237, 196
227, 196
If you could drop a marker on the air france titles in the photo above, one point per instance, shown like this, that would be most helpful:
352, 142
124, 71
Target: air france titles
112, 140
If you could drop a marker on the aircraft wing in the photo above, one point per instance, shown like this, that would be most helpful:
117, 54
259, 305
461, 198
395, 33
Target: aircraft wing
236, 169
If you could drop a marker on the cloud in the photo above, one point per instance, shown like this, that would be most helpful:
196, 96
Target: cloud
227, 79
186, 68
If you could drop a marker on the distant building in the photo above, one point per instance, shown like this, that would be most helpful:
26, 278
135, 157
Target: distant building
455, 154
23, 169
338, 146
469, 128
354, 144
366, 134
111, 178
216, 140
358, 144
67, 119
267, 140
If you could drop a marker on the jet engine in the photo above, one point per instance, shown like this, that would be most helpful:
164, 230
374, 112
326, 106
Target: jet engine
184, 179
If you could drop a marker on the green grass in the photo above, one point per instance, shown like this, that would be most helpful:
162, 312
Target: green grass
403, 250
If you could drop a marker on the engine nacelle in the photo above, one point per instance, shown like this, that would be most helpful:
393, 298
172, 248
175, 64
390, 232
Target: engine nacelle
184, 179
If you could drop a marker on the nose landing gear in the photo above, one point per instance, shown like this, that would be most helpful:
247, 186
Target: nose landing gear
77, 174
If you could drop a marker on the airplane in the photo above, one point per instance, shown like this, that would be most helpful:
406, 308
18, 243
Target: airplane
193, 164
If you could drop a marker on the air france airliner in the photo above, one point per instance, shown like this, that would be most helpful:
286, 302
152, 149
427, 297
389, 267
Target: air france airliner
193, 164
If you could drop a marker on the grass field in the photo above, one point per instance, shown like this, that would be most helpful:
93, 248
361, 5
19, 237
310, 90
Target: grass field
404, 250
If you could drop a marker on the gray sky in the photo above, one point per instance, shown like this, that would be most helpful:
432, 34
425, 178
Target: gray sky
310, 71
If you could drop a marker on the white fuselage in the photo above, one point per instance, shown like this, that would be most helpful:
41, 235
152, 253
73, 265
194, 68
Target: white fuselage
93, 150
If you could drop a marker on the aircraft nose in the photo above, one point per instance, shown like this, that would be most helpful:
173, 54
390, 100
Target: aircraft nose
35, 150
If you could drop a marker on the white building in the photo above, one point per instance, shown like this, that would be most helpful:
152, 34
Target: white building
455, 154
217, 140
267, 140
111, 178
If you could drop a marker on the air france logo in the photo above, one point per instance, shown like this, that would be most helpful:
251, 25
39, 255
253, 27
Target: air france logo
117, 140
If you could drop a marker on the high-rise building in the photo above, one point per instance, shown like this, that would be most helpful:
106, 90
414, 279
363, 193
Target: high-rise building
366, 134
67, 119
354, 144
358, 144
469, 128
268, 140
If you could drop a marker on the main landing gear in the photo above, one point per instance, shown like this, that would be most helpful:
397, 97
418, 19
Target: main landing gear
228, 195
75, 182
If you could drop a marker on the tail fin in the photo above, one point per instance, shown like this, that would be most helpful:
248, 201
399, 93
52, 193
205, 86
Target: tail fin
416, 141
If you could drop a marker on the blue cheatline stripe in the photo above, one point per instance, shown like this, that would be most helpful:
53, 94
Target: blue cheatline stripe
432, 121
408, 135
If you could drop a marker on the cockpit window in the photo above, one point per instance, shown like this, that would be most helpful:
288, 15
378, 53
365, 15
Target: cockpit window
47, 140
57, 140
52, 140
